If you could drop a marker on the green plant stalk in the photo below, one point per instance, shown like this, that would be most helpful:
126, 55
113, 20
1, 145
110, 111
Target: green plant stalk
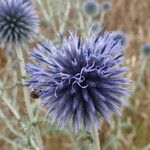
141, 73
9, 125
10, 106
20, 56
89, 22
48, 14
23, 74
4, 96
9, 141
81, 20
43, 9
102, 17
66, 15
96, 144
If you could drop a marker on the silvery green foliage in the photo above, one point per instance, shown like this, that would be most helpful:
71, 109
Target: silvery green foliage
79, 80
91, 7
19, 23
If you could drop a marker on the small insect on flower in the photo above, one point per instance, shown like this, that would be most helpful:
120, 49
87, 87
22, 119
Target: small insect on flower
91, 7
19, 23
34, 94
145, 50
106, 6
82, 80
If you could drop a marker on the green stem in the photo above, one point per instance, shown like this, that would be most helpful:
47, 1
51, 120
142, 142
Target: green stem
102, 17
89, 22
25, 90
66, 15
141, 73
20, 56
95, 134
81, 19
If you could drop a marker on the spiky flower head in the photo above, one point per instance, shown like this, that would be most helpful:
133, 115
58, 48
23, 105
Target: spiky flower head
91, 7
79, 80
19, 23
146, 50
95, 27
30, 1
119, 36
106, 5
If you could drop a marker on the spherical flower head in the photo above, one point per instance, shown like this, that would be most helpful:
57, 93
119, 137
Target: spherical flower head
119, 37
106, 6
19, 23
79, 80
146, 50
91, 8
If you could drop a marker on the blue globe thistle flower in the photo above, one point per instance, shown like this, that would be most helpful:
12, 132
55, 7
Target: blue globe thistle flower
119, 37
91, 8
106, 5
146, 50
79, 80
19, 23
30, 1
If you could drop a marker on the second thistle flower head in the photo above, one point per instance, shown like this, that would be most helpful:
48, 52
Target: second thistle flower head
91, 7
79, 80
145, 50
119, 37
19, 23
106, 6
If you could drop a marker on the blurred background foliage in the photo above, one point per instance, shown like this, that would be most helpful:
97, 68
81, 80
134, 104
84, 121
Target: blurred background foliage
129, 132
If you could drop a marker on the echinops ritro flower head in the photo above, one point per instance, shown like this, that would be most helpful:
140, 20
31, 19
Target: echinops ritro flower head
79, 80
91, 8
19, 23
145, 50
106, 5
121, 37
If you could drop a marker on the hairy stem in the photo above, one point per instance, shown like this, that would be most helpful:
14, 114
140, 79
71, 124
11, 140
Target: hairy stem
96, 145
102, 18
20, 55
141, 73
66, 15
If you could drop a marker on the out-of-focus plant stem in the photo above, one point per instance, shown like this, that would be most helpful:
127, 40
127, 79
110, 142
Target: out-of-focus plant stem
20, 56
81, 20
102, 17
9, 141
15, 90
89, 22
23, 74
96, 144
43, 9
62, 26
8, 124
48, 14
7, 100
141, 73
12, 109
